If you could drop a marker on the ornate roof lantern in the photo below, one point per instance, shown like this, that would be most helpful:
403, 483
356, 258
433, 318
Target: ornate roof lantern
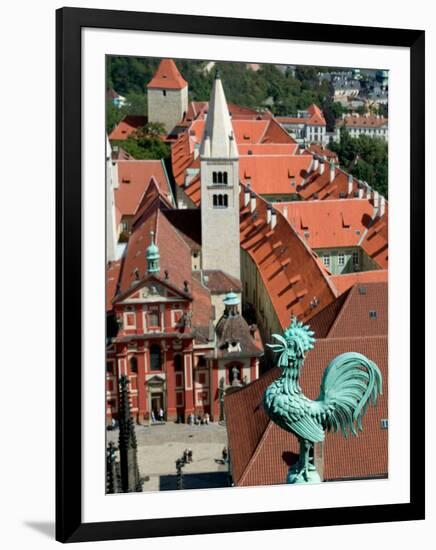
231, 301
152, 256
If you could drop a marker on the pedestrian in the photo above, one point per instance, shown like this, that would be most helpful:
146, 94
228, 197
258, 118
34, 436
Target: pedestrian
225, 454
206, 418
191, 419
161, 414
153, 417
190, 459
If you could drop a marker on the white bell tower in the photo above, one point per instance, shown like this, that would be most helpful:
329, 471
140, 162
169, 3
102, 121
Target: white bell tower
219, 171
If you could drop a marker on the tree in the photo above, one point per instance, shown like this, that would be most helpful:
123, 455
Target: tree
365, 158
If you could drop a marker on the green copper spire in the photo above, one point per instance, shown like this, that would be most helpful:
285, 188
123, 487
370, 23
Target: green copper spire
152, 256
350, 382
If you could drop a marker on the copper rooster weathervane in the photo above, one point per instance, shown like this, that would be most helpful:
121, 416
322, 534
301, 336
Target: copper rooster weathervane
349, 383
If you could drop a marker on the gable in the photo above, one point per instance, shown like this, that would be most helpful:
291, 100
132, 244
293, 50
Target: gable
151, 291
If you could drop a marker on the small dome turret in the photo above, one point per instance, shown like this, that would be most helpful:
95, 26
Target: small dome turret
152, 256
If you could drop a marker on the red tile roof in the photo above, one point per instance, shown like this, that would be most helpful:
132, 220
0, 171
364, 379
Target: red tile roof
349, 315
318, 186
370, 121
167, 76
375, 243
261, 452
133, 179
315, 117
274, 175
175, 254
291, 272
127, 126
322, 151
327, 224
347, 280
112, 277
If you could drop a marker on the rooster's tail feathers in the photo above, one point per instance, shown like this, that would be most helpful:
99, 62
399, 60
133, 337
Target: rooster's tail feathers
349, 383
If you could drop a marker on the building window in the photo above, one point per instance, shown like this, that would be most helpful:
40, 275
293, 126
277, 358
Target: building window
341, 259
129, 320
133, 364
164, 93
372, 314
356, 259
214, 177
220, 201
326, 260
110, 367
153, 319
178, 363
155, 358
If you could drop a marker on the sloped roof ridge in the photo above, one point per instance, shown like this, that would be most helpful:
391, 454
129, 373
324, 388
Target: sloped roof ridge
257, 450
339, 316
311, 252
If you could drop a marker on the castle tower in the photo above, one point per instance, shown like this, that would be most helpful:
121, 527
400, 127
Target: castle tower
167, 95
219, 171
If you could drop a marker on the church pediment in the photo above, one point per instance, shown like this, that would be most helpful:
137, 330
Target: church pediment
152, 291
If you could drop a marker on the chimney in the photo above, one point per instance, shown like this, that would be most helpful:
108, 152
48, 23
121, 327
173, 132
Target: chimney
350, 184
196, 150
268, 213
376, 199
315, 163
273, 218
321, 165
361, 193
252, 202
368, 191
332, 171
382, 206
247, 195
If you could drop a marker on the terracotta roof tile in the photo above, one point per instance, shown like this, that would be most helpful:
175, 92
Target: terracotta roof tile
127, 126
361, 311
134, 177
292, 274
261, 452
327, 224
371, 121
112, 276
347, 280
167, 76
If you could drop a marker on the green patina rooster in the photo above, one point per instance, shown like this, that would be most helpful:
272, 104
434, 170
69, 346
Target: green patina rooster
349, 383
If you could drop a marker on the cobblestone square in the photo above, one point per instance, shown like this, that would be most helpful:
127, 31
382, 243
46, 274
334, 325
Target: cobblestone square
160, 445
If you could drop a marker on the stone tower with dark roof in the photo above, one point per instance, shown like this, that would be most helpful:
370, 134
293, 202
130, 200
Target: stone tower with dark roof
167, 95
219, 175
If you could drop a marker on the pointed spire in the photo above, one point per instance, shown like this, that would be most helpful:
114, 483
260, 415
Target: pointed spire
218, 139
167, 76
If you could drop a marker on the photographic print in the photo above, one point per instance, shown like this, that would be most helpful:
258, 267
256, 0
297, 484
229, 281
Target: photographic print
246, 274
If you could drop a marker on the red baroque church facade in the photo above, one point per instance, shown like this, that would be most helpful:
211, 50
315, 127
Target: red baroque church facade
165, 339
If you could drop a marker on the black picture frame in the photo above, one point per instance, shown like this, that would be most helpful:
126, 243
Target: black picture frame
69, 22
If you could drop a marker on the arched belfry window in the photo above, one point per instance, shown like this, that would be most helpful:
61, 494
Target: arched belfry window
225, 177
220, 177
155, 357
215, 201
225, 201
214, 177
